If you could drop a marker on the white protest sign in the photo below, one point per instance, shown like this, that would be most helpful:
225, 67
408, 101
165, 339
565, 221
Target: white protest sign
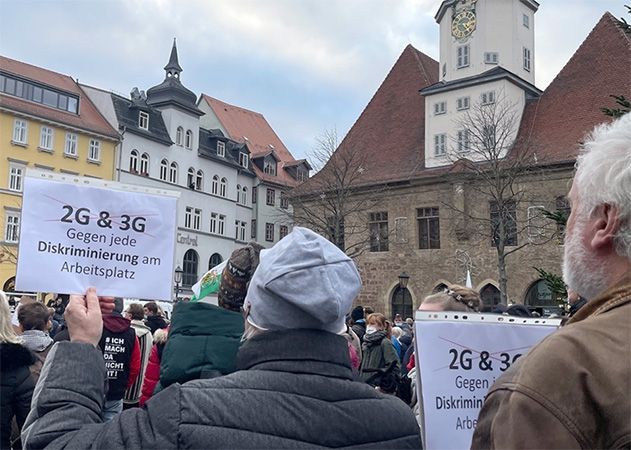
78, 232
459, 357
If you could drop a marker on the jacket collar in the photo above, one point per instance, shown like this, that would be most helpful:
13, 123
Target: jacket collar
615, 296
297, 351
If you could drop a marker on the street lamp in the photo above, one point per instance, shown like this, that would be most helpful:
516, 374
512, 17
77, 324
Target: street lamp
403, 280
178, 280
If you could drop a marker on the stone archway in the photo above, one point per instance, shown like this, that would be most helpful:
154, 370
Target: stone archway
401, 303
9, 285
490, 295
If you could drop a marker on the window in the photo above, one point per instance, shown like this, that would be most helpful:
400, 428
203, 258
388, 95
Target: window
213, 222
173, 173
540, 295
378, 228
222, 187
19, 131
563, 211
301, 174
462, 103
179, 136
244, 196
221, 224
440, 141
16, 175
490, 296
536, 222
428, 228
506, 216
254, 195
526, 59
189, 274
239, 233
487, 98
133, 161
282, 232
284, 200
444, 69
215, 260
190, 178
491, 57
243, 159
199, 180
239, 193
12, 227
46, 138
440, 108
269, 166
336, 231
197, 219
462, 56
221, 149
32, 92
189, 139
188, 217
464, 143
70, 149
488, 137
143, 120
253, 229
164, 170
94, 151
269, 232
214, 186
270, 198
525, 20
144, 164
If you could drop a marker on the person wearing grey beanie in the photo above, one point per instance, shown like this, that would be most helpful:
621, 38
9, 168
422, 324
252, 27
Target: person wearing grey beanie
293, 388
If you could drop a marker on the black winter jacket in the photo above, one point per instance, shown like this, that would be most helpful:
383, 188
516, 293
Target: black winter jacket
17, 387
294, 389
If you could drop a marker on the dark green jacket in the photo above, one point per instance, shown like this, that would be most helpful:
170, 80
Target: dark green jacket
203, 343
377, 353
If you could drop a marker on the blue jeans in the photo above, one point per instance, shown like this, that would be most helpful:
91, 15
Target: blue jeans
111, 408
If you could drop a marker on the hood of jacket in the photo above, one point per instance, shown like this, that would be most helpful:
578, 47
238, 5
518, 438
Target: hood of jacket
373, 339
36, 340
13, 356
116, 323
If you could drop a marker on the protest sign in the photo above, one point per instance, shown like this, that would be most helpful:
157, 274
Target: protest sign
459, 357
78, 232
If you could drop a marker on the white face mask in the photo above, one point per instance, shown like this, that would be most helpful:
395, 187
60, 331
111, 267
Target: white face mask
370, 329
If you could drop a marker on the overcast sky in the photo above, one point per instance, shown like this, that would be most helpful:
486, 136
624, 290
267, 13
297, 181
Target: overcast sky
306, 65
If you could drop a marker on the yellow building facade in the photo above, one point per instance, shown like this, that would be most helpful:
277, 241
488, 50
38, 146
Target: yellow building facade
47, 123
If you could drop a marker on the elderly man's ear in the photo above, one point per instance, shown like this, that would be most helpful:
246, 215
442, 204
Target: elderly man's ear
606, 226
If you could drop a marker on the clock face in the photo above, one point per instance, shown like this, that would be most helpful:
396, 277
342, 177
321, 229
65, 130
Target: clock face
463, 24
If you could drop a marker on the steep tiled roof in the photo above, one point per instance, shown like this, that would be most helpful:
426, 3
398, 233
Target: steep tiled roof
241, 123
88, 119
570, 107
390, 132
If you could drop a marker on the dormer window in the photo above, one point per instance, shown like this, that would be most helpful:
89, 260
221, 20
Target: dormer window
243, 159
143, 120
269, 166
221, 149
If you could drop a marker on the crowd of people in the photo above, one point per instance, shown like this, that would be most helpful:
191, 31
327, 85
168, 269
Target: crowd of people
284, 360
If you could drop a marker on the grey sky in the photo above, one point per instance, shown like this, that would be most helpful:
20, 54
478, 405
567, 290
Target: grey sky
307, 65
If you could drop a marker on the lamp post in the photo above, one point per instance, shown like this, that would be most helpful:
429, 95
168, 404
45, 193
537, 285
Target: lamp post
178, 280
403, 280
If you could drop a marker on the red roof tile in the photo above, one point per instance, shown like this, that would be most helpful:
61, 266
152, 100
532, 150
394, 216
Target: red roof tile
241, 123
569, 108
88, 119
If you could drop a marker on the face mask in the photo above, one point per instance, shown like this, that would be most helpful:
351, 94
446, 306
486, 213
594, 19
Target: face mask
370, 329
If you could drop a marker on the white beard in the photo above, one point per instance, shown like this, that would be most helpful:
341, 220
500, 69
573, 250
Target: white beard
581, 271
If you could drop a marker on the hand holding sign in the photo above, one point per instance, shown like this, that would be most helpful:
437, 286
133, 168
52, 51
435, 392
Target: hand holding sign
83, 316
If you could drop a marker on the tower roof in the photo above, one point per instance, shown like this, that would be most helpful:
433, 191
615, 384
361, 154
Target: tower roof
173, 63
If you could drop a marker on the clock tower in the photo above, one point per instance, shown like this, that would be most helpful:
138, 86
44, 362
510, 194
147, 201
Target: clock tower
486, 56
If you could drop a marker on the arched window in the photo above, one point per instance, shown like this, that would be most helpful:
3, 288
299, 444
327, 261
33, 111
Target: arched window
540, 295
215, 260
144, 164
440, 287
189, 275
490, 296
164, 170
244, 195
199, 180
173, 173
179, 136
214, 189
190, 178
133, 161
189, 139
222, 187
238, 193
402, 302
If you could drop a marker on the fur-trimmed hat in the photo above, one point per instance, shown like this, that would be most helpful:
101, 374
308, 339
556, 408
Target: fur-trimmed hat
236, 276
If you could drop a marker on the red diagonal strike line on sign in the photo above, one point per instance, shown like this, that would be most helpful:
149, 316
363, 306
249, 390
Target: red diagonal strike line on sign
468, 348
92, 216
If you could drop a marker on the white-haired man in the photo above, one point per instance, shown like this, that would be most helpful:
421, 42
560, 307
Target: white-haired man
294, 387
573, 390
